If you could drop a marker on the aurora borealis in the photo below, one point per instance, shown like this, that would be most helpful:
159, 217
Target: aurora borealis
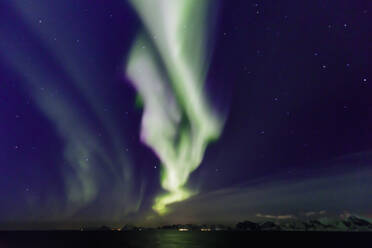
248, 109
177, 126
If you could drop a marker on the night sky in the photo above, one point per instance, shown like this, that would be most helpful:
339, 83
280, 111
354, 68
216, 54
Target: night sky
290, 80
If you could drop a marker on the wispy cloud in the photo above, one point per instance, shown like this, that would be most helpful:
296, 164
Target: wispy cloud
287, 199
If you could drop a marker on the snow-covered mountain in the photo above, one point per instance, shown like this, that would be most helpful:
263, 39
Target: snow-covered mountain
351, 223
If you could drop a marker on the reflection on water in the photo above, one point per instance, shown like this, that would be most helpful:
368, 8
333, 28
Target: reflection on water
144, 239
175, 239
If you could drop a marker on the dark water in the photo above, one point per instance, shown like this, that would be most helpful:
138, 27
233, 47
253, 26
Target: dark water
175, 239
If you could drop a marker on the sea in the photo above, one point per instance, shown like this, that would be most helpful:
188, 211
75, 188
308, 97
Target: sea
176, 239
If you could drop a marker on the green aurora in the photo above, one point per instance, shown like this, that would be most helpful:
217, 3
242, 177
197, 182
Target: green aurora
168, 65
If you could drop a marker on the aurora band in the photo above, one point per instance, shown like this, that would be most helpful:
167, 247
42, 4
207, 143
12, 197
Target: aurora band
167, 65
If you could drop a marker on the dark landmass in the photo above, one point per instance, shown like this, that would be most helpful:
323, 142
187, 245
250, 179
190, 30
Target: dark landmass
350, 224
323, 232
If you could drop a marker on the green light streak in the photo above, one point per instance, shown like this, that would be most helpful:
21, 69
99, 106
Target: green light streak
89, 160
168, 66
